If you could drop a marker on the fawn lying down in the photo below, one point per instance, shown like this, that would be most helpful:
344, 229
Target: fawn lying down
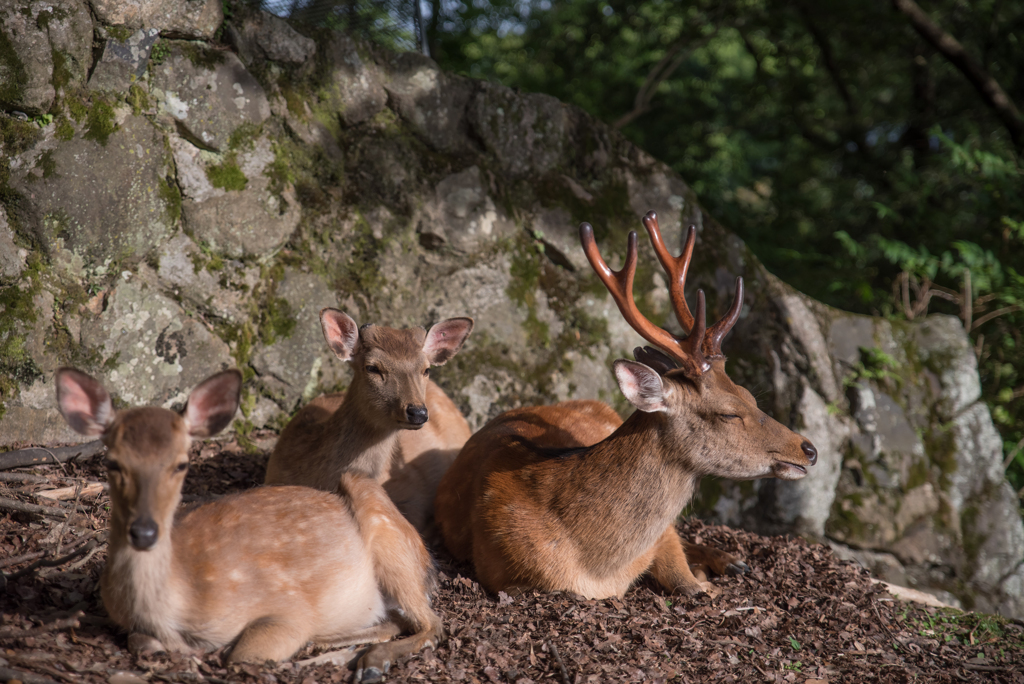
265, 570
393, 422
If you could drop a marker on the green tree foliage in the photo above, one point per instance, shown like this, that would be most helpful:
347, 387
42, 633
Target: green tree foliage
862, 164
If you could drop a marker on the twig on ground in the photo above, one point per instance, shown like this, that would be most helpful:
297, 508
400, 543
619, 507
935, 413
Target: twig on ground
26, 478
55, 626
22, 507
46, 563
984, 668
558, 659
189, 677
17, 560
43, 456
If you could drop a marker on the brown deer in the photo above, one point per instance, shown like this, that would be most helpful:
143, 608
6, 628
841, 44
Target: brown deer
568, 497
265, 570
393, 422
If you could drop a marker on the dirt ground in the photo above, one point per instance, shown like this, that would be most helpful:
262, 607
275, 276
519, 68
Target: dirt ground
800, 615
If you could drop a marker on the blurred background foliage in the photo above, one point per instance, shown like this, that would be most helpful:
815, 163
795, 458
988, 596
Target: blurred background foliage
869, 157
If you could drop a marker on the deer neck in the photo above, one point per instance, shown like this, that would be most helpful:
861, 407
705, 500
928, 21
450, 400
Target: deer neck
141, 589
361, 443
631, 487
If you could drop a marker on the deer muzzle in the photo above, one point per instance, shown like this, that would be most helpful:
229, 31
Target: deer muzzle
143, 533
416, 415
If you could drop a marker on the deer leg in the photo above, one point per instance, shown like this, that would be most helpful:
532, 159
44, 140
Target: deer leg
713, 561
403, 569
267, 639
670, 567
371, 635
377, 660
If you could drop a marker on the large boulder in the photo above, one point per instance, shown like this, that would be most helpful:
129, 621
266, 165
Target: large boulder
178, 18
210, 225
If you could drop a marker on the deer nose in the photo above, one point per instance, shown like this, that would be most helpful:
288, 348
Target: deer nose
417, 415
143, 533
810, 452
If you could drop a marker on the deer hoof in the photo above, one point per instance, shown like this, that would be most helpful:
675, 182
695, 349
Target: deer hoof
369, 676
737, 568
144, 645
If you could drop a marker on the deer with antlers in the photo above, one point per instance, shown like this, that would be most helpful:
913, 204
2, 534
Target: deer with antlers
393, 422
263, 571
568, 497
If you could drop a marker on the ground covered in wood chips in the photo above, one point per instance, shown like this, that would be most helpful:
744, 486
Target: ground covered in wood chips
800, 615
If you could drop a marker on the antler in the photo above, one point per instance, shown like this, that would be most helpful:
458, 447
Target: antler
692, 351
685, 350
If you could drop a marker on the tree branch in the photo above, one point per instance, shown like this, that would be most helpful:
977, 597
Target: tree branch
674, 56
952, 50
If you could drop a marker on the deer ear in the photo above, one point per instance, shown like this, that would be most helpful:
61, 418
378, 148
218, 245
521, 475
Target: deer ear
213, 403
642, 385
83, 402
341, 333
445, 339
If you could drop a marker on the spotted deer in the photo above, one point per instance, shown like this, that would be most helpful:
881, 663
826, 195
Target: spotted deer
393, 422
568, 497
264, 571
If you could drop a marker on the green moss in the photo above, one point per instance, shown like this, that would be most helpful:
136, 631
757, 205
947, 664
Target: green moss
171, 196
12, 87
17, 314
119, 33
61, 75
244, 136
361, 272
79, 111
64, 130
918, 474
525, 272
240, 339
161, 50
280, 171
138, 99
17, 136
99, 123
227, 175
294, 99
277, 322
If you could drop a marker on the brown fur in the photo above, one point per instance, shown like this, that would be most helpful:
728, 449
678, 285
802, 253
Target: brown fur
365, 429
534, 510
266, 570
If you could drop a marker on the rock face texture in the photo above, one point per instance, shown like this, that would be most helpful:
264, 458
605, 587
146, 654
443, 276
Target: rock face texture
194, 209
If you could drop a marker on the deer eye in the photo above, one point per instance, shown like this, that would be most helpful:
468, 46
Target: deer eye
728, 416
182, 467
112, 466
374, 370
426, 373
